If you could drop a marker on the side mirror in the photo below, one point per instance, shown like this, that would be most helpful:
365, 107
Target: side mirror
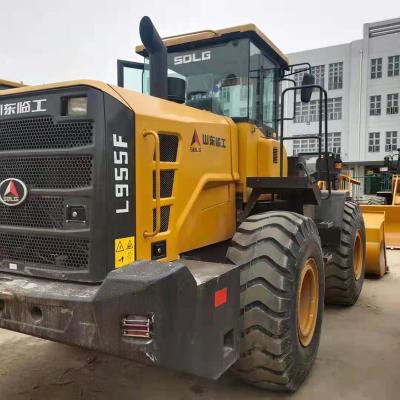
306, 93
176, 90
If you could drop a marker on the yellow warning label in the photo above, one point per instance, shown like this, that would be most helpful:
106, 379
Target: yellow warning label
124, 251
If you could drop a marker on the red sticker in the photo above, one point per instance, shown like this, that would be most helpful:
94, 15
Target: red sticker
221, 297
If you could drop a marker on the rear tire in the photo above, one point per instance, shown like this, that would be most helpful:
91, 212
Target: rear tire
273, 250
345, 273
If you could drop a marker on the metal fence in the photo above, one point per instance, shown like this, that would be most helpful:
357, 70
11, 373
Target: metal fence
371, 184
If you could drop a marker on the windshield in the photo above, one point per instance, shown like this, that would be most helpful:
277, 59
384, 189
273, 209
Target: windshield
232, 78
216, 77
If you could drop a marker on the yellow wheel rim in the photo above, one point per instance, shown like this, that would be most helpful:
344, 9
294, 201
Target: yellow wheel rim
357, 256
307, 302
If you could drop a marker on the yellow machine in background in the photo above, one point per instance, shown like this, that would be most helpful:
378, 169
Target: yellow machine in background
391, 214
4, 84
374, 220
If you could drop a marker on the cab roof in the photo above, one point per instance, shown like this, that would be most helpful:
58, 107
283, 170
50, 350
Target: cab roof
209, 36
11, 84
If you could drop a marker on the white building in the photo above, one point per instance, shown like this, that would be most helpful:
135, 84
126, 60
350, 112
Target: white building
363, 83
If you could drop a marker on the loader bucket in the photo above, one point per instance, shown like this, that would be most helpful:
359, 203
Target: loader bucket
392, 223
375, 260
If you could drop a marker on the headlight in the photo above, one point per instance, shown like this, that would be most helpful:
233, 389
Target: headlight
77, 106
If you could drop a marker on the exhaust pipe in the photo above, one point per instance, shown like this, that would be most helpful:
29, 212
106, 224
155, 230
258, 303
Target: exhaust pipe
157, 57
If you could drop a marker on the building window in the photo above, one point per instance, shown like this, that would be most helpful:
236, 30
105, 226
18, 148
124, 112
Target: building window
302, 112
393, 66
311, 145
391, 141
392, 106
375, 105
334, 142
319, 74
376, 68
243, 111
244, 92
226, 94
305, 146
335, 108
374, 142
314, 111
298, 76
335, 76
309, 112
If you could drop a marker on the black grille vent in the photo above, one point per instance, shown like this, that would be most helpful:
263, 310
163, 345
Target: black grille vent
35, 212
166, 183
64, 172
168, 147
164, 218
44, 133
275, 155
50, 251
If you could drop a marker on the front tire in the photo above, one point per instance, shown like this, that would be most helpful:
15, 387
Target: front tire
282, 298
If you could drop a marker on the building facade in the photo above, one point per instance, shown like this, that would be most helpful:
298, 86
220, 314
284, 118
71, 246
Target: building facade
362, 79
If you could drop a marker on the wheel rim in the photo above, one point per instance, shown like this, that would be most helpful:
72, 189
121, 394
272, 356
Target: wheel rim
357, 256
307, 302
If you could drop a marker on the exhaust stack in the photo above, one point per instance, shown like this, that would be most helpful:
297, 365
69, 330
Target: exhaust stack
157, 57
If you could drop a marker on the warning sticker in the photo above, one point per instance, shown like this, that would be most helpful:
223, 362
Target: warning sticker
124, 251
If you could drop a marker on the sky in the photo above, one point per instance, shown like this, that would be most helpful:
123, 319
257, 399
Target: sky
46, 41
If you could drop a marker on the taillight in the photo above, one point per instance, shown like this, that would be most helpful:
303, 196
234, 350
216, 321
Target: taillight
137, 326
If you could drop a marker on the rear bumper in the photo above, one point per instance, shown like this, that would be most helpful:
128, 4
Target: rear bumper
193, 329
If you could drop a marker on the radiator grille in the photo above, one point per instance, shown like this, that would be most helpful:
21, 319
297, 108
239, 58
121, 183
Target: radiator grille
50, 251
44, 133
35, 212
64, 172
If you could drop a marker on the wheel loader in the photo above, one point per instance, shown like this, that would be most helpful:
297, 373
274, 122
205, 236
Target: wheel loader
171, 227
4, 84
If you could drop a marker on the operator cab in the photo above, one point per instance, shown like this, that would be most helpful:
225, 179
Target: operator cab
233, 72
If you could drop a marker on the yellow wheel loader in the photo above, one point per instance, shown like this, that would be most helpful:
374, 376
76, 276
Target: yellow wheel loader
9, 84
171, 228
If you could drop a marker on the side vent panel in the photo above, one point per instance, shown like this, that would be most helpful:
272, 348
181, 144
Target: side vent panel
168, 154
168, 147
275, 155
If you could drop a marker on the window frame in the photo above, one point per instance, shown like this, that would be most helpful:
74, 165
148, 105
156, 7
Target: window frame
392, 137
393, 66
335, 75
376, 68
374, 142
392, 103
374, 102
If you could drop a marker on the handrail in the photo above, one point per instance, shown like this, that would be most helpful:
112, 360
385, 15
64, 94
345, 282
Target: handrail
323, 96
147, 234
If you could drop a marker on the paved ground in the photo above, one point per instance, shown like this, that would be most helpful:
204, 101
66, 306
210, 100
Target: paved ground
359, 358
